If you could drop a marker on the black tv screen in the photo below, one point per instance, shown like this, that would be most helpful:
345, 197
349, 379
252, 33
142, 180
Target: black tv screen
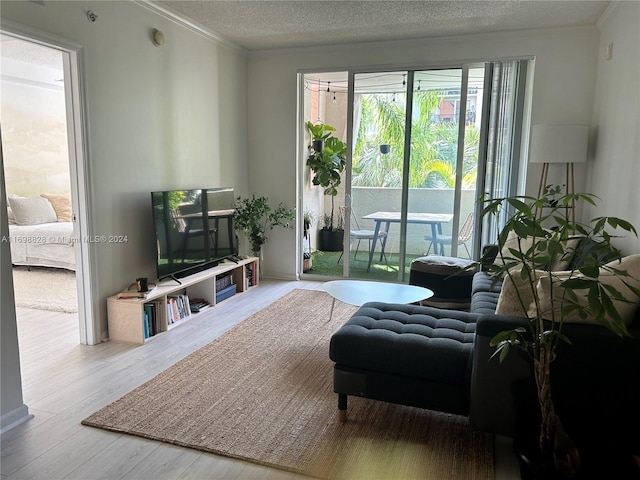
194, 229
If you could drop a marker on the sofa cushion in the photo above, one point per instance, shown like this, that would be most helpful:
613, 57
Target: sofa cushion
407, 340
485, 282
32, 210
484, 303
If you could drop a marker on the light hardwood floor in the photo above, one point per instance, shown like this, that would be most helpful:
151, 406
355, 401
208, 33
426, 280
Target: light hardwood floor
64, 382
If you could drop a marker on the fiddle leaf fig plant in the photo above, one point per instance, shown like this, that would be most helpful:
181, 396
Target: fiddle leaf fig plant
328, 163
537, 235
319, 131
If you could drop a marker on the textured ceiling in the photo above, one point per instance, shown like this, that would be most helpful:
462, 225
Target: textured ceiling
267, 24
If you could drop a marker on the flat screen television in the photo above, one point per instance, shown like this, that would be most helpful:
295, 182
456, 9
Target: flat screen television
194, 230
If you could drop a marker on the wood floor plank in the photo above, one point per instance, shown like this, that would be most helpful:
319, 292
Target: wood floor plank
213, 466
117, 460
71, 454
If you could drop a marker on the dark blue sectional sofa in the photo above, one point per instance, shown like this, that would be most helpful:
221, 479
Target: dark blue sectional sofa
441, 360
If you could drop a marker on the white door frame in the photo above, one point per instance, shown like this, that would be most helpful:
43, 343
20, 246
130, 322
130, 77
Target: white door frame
76, 128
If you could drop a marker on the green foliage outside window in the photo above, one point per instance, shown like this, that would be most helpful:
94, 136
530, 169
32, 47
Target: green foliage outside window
433, 145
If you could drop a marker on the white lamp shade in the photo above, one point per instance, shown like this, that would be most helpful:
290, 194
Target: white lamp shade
559, 143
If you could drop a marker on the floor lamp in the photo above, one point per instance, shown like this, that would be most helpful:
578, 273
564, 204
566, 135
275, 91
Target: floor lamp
559, 144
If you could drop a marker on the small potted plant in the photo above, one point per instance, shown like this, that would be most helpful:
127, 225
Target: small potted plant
307, 221
319, 133
255, 218
327, 165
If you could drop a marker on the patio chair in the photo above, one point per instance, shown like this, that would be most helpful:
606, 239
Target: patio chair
360, 234
464, 235
186, 231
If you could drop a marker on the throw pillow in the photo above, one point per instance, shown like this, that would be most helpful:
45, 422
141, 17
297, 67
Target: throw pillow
61, 204
32, 210
557, 264
516, 292
631, 264
563, 262
505, 255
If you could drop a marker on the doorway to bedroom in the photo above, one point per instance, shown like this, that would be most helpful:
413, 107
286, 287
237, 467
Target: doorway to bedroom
40, 181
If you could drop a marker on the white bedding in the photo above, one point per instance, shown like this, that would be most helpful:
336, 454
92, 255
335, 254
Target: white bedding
45, 244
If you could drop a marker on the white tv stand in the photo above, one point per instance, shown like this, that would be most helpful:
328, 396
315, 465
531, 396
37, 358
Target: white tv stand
126, 316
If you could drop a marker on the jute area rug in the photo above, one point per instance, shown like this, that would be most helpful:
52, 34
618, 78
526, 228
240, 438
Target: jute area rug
262, 392
45, 288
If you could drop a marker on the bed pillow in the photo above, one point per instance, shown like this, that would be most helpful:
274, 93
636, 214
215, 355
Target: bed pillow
61, 204
627, 310
10, 217
32, 210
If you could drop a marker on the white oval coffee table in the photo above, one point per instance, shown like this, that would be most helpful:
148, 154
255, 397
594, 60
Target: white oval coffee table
359, 292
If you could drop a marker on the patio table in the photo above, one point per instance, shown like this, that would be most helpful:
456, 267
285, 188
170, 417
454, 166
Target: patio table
387, 218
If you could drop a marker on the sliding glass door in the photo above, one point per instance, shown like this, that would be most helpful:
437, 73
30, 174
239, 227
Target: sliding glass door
417, 147
379, 113
414, 165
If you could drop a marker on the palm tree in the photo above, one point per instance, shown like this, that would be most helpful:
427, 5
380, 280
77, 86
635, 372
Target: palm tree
433, 145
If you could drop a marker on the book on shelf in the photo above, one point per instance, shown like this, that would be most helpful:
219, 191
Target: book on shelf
178, 307
250, 270
198, 304
226, 292
150, 319
223, 282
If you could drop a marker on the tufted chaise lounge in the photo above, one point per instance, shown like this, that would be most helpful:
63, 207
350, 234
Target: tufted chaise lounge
406, 354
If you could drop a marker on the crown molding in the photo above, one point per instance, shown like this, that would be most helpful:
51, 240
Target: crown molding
604, 18
189, 24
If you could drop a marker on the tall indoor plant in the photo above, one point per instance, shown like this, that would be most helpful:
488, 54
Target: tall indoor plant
327, 160
255, 217
539, 234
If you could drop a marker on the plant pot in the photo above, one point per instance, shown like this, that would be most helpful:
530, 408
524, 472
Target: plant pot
318, 145
306, 264
330, 240
385, 148
534, 465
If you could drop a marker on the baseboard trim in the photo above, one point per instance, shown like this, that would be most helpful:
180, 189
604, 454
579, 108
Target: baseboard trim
15, 417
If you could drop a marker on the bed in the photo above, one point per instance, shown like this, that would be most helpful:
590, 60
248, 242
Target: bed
41, 231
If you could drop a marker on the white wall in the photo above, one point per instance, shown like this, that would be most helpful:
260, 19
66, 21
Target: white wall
32, 112
13, 412
158, 118
614, 168
564, 87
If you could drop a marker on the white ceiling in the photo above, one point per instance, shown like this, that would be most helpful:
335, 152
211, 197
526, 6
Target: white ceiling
268, 24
